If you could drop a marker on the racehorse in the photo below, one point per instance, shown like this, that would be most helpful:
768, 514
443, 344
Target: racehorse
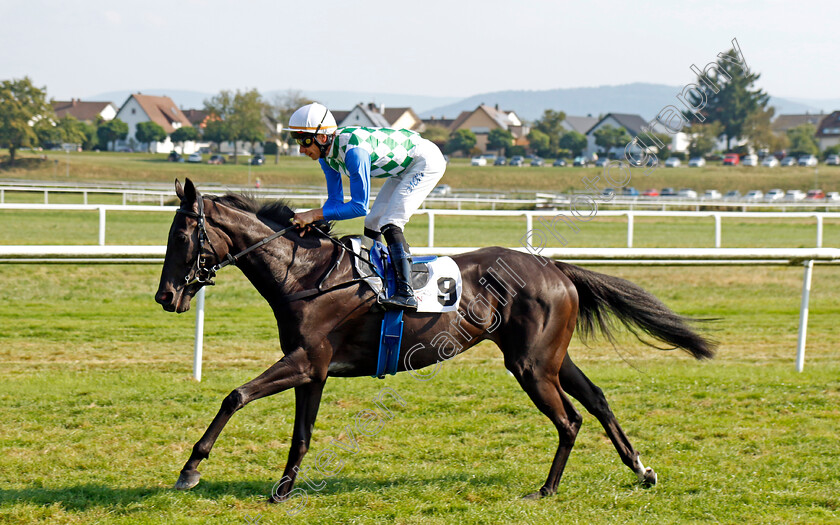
528, 305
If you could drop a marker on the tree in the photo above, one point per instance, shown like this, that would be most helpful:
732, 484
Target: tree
703, 138
735, 100
21, 105
540, 143
217, 132
462, 140
802, 140
551, 124
241, 114
148, 132
609, 137
574, 141
759, 132
499, 139
437, 134
184, 134
112, 131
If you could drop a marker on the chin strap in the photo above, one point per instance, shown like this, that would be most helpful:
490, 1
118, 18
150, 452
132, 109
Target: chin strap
324, 148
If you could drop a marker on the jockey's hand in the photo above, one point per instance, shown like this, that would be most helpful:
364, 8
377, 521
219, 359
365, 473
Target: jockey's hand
304, 219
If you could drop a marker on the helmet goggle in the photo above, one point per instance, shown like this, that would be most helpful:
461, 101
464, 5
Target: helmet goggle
306, 139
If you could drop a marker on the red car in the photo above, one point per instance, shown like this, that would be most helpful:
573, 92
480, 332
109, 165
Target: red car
815, 195
731, 159
653, 192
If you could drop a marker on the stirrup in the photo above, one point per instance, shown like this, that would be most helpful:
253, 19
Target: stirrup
396, 301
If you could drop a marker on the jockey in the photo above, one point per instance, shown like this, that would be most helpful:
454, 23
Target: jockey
412, 165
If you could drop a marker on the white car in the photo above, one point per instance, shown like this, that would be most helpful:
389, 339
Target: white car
441, 190
794, 195
194, 157
807, 160
697, 162
832, 196
774, 195
770, 161
687, 193
478, 161
749, 160
711, 194
754, 195
732, 195
672, 162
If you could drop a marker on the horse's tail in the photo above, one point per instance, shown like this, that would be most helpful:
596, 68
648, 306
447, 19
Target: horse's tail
600, 295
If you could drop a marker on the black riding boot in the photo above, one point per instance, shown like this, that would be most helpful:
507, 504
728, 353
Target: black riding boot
403, 297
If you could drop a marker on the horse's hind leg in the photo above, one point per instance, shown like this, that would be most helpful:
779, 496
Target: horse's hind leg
577, 385
547, 395
291, 371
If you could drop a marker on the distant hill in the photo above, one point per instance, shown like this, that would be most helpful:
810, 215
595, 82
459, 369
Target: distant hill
639, 98
344, 100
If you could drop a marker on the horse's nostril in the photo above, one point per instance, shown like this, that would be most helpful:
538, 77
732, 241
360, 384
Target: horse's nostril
163, 297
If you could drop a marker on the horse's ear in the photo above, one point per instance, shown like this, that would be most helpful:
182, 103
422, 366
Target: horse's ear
179, 190
190, 193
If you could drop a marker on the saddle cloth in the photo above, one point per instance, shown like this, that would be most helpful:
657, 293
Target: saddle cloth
436, 280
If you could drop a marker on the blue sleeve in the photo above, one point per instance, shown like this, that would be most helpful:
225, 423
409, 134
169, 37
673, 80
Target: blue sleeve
357, 161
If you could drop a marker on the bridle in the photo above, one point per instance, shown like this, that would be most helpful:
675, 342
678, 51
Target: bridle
202, 274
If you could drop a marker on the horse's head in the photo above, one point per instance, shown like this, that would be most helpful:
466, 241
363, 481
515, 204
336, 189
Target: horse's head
190, 252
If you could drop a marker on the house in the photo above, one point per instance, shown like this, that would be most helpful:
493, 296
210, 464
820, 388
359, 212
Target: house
636, 126
160, 110
483, 119
579, 124
90, 112
372, 116
828, 132
783, 123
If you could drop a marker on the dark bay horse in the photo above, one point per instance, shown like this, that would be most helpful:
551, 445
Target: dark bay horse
528, 305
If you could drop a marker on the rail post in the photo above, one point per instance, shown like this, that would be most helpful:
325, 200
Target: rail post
101, 226
717, 230
803, 316
198, 349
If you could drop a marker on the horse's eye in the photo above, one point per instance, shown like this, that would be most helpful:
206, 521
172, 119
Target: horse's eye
183, 237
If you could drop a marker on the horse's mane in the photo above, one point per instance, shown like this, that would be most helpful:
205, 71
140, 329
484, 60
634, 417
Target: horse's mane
275, 214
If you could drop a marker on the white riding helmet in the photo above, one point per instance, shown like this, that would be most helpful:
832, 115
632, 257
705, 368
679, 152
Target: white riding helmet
312, 118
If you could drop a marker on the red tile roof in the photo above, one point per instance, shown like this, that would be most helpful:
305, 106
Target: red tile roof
82, 110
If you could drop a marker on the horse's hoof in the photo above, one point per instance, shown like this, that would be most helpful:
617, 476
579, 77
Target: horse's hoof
540, 494
649, 479
188, 479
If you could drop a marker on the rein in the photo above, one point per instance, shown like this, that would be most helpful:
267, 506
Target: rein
203, 275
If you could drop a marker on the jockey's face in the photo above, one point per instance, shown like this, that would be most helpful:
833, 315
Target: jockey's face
312, 151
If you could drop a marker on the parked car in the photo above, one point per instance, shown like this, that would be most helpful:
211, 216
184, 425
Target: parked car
832, 160
580, 161
600, 163
711, 194
794, 195
774, 195
490, 157
629, 192
653, 192
731, 159
770, 162
832, 196
754, 195
732, 195
216, 159
174, 156
788, 161
668, 192
815, 195
608, 192
672, 162
696, 162
258, 160
500, 161
559, 163
195, 157
517, 160
478, 161
441, 190
537, 162
808, 160
687, 193
749, 160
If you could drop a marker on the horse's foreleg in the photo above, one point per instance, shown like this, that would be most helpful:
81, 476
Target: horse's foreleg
307, 401
592, 398
291, 371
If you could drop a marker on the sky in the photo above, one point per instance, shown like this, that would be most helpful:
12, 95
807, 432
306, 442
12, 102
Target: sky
446, 48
